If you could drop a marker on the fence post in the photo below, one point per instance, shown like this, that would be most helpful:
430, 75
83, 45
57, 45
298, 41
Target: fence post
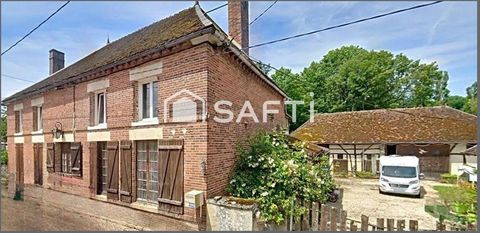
400, 225
333, 219
364, 226
390, 223
315, 216
306, 216
413, 225
324, 217
343, 220
380, 224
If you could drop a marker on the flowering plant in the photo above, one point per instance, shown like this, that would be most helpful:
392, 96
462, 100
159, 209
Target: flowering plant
276, 172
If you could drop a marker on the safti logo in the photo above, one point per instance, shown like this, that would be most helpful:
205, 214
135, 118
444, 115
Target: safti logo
186, 106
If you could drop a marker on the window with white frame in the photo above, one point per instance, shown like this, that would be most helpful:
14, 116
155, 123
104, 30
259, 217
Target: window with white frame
100, 108
37, 118
148, 100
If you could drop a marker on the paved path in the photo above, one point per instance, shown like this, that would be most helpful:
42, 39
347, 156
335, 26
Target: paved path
361, 196
47, 210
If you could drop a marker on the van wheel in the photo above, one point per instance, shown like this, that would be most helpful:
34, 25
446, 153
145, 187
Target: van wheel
380, 191
419, 195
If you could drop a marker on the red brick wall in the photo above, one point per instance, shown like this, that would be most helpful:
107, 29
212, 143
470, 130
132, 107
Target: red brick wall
232, 81
200, 69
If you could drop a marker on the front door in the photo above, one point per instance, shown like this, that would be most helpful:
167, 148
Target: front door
19, 165
37, 163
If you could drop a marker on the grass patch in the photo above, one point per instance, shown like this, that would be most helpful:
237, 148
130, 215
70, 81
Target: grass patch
460, 200
448, 178
366, 175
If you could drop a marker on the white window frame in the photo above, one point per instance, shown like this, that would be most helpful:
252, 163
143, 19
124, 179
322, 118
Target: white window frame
97, 112
150, 120
97, 108
39, 117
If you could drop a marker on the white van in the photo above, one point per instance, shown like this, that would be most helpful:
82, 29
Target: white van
400, 174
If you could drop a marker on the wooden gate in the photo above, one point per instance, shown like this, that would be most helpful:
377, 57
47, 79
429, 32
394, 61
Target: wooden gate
170, 168
37, 163
19, 165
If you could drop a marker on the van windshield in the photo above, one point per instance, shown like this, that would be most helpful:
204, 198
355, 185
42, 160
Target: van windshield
401, 172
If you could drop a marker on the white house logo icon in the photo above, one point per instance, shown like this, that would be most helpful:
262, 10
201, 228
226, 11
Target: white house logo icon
184, 106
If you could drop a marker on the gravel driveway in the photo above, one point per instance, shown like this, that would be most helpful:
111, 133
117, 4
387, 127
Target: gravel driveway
361, 196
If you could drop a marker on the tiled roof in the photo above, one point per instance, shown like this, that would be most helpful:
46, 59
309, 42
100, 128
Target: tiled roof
420, 125
150, 37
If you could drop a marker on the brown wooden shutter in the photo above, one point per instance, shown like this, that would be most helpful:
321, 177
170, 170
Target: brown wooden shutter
76, 158
19, 164
17, 121
112, 170
35, 118
170, 169
93, 168
126, 171
50, 157
58, 157
92, 109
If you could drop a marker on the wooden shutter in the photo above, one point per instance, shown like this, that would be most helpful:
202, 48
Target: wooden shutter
19, 163
93, 168
58, 157
92, 109
35, 118
50, 157
76, 158
126, 171
17, 121
170, 169
112, 170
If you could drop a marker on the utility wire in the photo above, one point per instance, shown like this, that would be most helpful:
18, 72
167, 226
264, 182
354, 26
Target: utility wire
216, 8
346, 24
268, 8
44, 21
13, 77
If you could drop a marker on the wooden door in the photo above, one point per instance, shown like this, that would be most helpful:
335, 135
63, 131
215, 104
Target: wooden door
37, 163
170, 168
19, 165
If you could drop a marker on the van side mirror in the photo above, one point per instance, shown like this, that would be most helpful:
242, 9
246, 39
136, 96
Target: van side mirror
421, 176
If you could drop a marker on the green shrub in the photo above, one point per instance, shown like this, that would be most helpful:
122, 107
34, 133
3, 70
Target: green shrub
365, 175
461, 201
276, 172
3, 157
448, 178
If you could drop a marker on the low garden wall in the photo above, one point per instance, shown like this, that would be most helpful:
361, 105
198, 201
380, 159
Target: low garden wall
232, 214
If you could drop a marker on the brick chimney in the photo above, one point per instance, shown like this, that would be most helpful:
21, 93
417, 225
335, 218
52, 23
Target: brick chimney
238, 22
57, 60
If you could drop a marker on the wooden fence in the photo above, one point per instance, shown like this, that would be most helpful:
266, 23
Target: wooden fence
328, 218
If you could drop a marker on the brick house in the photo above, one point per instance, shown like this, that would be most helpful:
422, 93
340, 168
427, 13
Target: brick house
438, 136
117, 125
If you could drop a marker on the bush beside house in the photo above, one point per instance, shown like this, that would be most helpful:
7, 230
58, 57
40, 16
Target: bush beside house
276, 173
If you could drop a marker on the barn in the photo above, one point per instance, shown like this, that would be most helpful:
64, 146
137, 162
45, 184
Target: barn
356, 140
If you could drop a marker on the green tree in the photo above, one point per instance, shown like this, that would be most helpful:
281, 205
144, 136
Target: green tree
471, 102
3, 124
351, 78
456, 101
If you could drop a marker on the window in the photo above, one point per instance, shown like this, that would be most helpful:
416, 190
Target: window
66, 158
339, 156
148, 100
147, 171
18, 121
100, 109
37, 118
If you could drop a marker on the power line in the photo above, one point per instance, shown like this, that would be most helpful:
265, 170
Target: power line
44, 21
268, 8
346, 24
13, 77
216, 8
